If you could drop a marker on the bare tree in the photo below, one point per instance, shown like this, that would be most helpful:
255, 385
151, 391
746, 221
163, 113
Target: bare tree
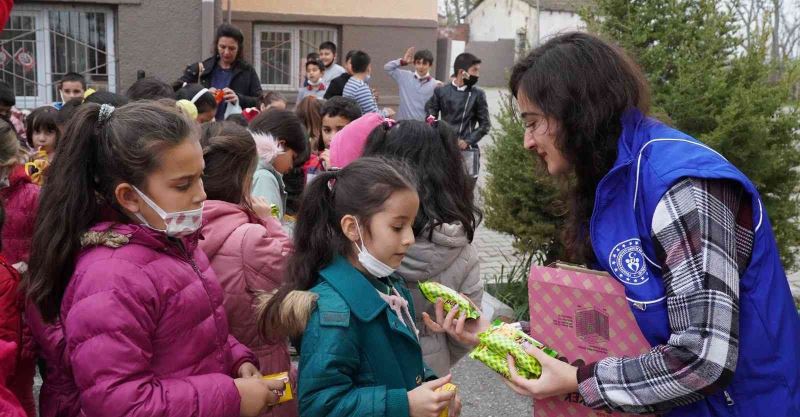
457, 10
780, 17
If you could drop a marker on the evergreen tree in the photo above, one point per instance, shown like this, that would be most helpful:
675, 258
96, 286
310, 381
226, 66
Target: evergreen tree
520, 198
705, 83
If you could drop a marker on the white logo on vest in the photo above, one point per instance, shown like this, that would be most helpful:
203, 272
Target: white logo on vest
628, 263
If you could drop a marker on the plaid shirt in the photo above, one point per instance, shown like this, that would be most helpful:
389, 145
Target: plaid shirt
703, 234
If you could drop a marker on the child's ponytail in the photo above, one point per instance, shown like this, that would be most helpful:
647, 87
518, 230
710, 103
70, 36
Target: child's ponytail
67, 208
360, 190
102, 148
317, 237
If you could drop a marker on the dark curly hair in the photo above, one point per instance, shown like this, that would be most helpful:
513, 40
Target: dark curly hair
586, 84
444, 187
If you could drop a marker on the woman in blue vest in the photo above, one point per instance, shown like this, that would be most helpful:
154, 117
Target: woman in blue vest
678, 225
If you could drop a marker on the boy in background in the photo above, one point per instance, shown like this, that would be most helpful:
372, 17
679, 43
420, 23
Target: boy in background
327, 54
72, 85
357, 87
462, 104
336, 86
416, 87
314, 84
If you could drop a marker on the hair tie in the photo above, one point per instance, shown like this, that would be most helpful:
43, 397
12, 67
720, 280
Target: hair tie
198, 95
431, 121
334, 175
187, 107
388, 123
105, 113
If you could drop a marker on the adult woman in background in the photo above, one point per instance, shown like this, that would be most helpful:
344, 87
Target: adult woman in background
227, 72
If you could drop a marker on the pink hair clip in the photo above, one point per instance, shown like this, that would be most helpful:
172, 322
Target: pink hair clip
430, 120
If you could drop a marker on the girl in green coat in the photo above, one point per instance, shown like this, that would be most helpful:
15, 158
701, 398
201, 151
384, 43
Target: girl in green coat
360, 353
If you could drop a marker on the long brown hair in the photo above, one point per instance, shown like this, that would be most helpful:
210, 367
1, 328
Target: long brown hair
308, 110
230, 155
94, 157
586, 84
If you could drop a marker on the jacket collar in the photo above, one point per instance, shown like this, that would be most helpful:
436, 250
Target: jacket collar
145, 236
631, 140
355, 289
462, 88
211, 63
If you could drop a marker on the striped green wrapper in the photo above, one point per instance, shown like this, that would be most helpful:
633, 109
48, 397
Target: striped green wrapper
495, 344
433, 290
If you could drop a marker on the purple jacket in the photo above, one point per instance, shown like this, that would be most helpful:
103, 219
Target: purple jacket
145, 329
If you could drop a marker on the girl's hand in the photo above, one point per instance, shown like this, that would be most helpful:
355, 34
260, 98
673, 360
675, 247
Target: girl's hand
257, 394
558, 378
261, 207
230, 95
461, 329
423, 401
455, 407
325, 156
248, 370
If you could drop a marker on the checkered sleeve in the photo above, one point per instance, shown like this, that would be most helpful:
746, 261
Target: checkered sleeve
703, 235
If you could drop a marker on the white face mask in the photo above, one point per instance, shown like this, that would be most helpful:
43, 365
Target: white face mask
178, 223
375, 267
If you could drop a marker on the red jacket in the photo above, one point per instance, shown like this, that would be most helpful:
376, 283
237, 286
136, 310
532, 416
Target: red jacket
19, 378
9, 405
21, 201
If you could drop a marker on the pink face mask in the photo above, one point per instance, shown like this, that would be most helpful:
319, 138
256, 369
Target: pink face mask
178, 223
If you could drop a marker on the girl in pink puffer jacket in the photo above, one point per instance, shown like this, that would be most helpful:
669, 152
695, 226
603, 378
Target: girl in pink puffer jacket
115, 261
246, 245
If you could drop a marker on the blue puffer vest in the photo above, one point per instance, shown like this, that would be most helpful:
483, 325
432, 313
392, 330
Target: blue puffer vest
652, 158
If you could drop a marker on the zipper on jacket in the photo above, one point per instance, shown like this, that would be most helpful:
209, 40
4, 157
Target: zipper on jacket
190, 259
728, 398
640, 306
464, 114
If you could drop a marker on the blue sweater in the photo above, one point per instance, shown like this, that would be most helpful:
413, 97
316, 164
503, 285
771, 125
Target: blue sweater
414, 92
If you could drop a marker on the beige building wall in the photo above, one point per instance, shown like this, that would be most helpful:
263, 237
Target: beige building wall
405, 9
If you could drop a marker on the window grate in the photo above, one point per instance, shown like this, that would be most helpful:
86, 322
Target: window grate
280, 52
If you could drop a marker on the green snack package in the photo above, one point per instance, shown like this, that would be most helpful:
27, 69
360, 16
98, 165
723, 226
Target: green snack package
501, 340
433, 290
275, 211
514, 332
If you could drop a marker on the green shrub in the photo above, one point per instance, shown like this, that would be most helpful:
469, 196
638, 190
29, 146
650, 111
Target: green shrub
511, 285
520, 198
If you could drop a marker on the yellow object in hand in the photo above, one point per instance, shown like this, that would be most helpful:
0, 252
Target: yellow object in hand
287, 391
446, 387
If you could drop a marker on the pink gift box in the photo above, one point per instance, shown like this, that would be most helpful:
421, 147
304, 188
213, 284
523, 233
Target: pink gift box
584, 316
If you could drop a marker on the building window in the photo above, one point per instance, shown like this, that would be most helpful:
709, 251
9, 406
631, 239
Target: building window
39, 45
280, 52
